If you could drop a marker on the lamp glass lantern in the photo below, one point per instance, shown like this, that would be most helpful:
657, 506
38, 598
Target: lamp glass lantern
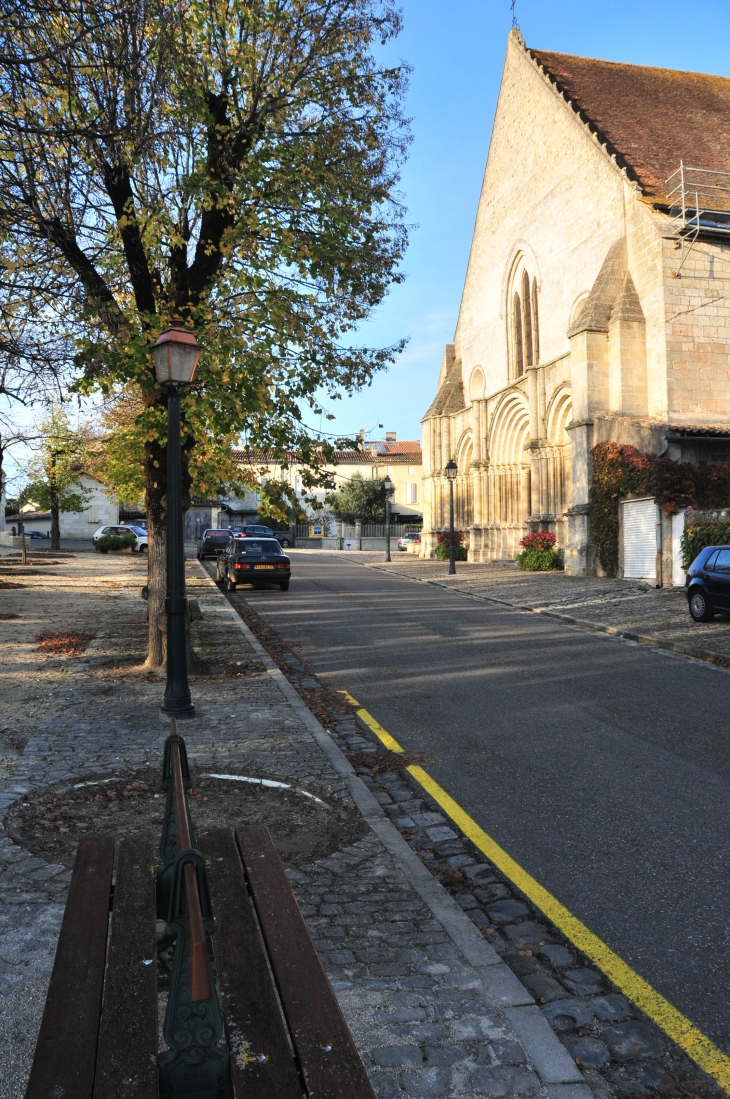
176, 355
451, 470
387, 486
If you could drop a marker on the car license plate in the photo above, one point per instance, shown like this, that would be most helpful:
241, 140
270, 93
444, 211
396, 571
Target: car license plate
264, 566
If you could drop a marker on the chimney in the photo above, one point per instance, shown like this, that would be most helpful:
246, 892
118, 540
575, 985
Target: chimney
361, 436
390, 436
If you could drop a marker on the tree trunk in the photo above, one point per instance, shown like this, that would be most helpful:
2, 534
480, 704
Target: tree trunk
55, 524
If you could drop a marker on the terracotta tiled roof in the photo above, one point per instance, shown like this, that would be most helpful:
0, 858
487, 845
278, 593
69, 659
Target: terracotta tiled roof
709, 430
407, 446
650, 118
391, 454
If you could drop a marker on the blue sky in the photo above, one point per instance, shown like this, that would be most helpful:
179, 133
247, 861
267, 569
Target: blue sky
457, 49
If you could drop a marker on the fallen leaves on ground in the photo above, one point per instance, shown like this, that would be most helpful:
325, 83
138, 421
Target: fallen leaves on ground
63, 644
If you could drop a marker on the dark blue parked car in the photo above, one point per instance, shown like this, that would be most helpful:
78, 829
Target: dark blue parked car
708, 583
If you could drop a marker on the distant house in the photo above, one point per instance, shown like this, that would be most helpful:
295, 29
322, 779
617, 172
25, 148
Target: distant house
102, 509
401, 461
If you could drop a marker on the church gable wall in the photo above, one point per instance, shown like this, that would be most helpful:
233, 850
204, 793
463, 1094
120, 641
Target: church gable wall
551, 191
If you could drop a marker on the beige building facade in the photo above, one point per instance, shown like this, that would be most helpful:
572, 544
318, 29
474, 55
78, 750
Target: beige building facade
596, 304
400, 460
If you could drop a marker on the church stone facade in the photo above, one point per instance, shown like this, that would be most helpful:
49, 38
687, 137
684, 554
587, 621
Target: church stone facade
592, 308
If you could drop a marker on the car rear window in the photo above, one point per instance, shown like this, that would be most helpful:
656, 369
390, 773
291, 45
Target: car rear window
710, 562
218, 535
722, 562
258, 546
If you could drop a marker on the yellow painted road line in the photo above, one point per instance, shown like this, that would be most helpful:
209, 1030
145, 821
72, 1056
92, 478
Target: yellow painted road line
676, 1025
387, 739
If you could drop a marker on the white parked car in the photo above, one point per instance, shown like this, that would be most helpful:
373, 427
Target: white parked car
127, 528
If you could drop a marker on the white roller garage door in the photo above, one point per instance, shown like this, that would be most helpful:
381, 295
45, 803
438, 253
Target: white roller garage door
638, 535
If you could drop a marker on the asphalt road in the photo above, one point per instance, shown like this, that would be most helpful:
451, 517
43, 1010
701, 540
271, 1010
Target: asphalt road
603, 767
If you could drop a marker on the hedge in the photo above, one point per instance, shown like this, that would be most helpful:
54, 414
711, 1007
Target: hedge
698, 535
622, 470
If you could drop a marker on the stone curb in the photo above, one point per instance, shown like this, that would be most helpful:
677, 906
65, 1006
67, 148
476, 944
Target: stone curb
642, 639
550, 1058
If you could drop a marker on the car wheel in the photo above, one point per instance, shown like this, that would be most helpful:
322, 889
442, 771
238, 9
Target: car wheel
285, 543
143, 549
284, 585
230, 584
700, 607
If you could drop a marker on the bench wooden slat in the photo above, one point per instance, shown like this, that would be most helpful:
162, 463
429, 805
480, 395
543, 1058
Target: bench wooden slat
127, 1056
323, 1042
66, 1048
251, 1012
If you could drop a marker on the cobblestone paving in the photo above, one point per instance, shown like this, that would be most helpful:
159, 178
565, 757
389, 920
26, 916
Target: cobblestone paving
419, 1010
627, 605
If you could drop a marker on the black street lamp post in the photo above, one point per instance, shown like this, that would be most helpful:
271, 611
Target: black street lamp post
451, 470
388, 489
176, 355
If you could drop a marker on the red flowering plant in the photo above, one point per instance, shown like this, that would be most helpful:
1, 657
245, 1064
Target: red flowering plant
540, 540
443, 543
539, 553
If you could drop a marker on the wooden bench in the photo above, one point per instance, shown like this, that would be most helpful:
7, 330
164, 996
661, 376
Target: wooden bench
285, 1032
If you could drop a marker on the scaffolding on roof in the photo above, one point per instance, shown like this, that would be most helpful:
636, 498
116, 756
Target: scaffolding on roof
699, 202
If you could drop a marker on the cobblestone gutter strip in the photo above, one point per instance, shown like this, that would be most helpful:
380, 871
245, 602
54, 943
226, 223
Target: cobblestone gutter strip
554, 1066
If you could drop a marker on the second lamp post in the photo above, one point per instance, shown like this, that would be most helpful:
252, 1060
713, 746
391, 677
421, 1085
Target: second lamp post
388, 488
451, 470
176, 355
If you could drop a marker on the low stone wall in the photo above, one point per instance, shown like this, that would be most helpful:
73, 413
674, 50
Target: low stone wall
338, 543
318, 543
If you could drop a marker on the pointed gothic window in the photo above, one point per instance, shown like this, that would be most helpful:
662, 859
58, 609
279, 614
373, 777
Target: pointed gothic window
535, 326
519, 355
528, 318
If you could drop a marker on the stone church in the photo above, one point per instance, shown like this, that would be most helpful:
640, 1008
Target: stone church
596, 304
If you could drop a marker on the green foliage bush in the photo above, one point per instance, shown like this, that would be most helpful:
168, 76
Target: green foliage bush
358, 498
539, 560
698, 535
622, 470
539, 553
115, 542
442, 546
